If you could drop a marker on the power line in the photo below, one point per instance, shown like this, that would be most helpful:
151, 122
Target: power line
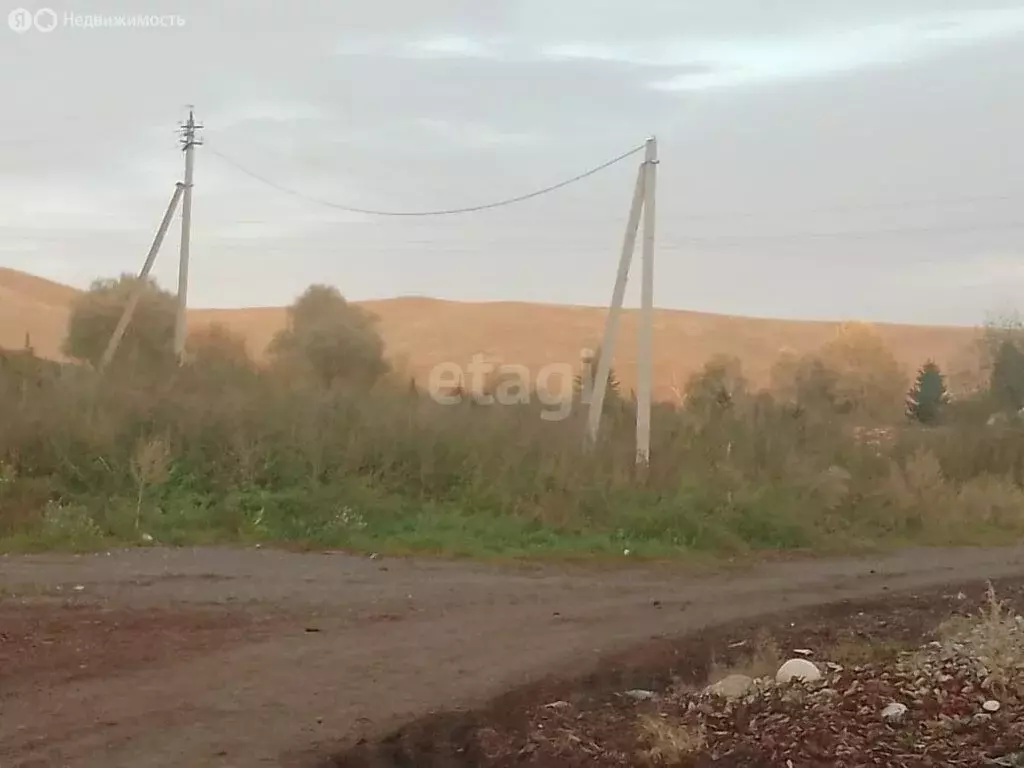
854, 234
674, 244
844, 208
442, 212
712, 240
853, 207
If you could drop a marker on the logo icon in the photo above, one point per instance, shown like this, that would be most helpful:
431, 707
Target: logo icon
45, 19
20, 20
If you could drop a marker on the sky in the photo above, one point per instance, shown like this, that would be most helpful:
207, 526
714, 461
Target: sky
819, 159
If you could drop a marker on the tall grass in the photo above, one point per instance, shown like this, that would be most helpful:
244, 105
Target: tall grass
229, 453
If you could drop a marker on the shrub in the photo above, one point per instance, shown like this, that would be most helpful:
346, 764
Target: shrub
322, 447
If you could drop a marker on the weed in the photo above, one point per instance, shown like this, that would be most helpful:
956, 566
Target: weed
670, 743
229, 451
149, 467
763, 660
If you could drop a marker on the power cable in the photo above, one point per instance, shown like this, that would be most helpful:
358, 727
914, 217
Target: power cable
853, 207
853, 234
847, 208
442, 212
670, 242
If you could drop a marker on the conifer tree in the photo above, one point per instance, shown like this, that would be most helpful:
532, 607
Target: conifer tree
928, 396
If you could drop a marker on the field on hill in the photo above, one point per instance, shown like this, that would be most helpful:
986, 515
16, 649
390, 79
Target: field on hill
420, 333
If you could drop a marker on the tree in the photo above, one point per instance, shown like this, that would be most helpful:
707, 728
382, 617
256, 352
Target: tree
1006, 382
717, 389
214, 348
868, 379
583, 384
928, 396
148, 341
999, 328
330, 339
806, 384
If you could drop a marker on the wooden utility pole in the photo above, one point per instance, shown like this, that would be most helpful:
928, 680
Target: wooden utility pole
140, 285
643, 203
188, 142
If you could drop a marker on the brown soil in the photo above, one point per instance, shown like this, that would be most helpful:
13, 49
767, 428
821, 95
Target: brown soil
422, 332
592, 721
219, 657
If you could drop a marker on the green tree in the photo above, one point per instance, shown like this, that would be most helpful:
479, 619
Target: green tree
583, 384
999, 328
148, 341
1006, 382
928, 396
330, 339
717, 389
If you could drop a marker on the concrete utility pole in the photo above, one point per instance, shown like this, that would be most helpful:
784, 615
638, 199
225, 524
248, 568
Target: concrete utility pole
611, 327
129, 310
645, 374
188, 142
643, 203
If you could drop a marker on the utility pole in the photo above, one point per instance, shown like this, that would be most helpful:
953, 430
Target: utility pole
643, 203
133, 300
188, 142
645, 374
611, 327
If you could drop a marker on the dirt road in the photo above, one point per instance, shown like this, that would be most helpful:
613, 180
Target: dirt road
216, 657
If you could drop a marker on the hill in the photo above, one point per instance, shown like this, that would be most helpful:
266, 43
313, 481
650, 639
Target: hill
422, 332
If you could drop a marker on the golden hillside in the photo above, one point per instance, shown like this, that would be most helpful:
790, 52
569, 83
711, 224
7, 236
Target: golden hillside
422, 332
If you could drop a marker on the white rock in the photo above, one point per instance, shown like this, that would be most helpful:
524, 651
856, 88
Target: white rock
991, 705
803, 651
640, 694
557, 705
797, 669
894, 713
731, 687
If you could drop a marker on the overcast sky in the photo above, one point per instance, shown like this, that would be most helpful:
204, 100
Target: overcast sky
819, 158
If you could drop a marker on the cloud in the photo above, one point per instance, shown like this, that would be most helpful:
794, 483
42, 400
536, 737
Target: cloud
453, 46
636, 54
450, 46
709, 63
20, 246
982, 270
737, 63
287, 219
274, 112
43, 205
475, 134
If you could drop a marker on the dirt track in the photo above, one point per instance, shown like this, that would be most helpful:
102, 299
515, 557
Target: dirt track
245, 658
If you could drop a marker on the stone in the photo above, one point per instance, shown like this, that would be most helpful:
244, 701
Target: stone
991, 705
640, 695
557, 705
798, 669
894, 713
731, 687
